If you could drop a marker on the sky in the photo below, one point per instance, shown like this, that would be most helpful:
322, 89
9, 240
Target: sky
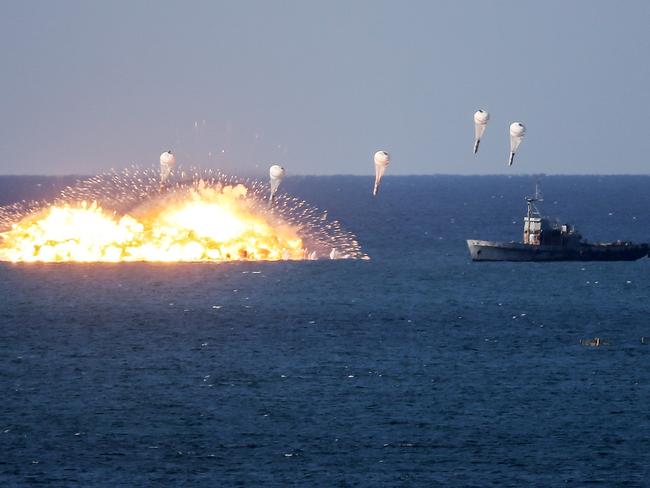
319, 86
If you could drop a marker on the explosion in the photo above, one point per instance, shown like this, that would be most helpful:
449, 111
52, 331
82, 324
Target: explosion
200, 219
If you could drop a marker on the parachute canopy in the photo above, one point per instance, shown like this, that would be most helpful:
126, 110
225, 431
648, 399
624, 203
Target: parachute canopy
276, 174
517, 133
382, 158
167, 162
481, 118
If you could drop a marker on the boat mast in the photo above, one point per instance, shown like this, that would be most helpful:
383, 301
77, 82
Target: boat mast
531, 211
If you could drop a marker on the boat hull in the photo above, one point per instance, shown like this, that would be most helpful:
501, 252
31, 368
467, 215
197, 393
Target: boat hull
515, 251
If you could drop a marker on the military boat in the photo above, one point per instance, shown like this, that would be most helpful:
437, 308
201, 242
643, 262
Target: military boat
544, 241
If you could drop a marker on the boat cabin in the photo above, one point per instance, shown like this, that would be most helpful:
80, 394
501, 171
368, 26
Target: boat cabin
539, 231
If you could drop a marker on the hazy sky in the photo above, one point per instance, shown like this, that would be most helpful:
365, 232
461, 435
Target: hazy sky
319, 86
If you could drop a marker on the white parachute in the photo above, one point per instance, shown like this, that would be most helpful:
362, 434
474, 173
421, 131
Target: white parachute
382, 158
276, 173
517, 133
167, 162
481, 118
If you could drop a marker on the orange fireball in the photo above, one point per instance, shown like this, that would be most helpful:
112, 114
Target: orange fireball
198, 224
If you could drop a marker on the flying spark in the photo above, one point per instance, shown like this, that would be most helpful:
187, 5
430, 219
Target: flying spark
200, 215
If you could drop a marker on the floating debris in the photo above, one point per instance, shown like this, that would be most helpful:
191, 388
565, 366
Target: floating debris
595, 342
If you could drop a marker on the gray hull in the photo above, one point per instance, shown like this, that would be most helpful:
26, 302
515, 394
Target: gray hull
515, 251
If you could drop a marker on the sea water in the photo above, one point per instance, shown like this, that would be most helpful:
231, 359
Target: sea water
415, 368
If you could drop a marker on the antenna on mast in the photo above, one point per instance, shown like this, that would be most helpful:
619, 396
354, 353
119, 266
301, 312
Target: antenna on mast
538, 196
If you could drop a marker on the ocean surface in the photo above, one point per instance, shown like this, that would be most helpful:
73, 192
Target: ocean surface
415, 368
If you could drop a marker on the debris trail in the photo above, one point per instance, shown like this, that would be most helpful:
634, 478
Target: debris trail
198, 215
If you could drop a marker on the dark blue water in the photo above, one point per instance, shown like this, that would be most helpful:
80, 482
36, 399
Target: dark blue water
415, 368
